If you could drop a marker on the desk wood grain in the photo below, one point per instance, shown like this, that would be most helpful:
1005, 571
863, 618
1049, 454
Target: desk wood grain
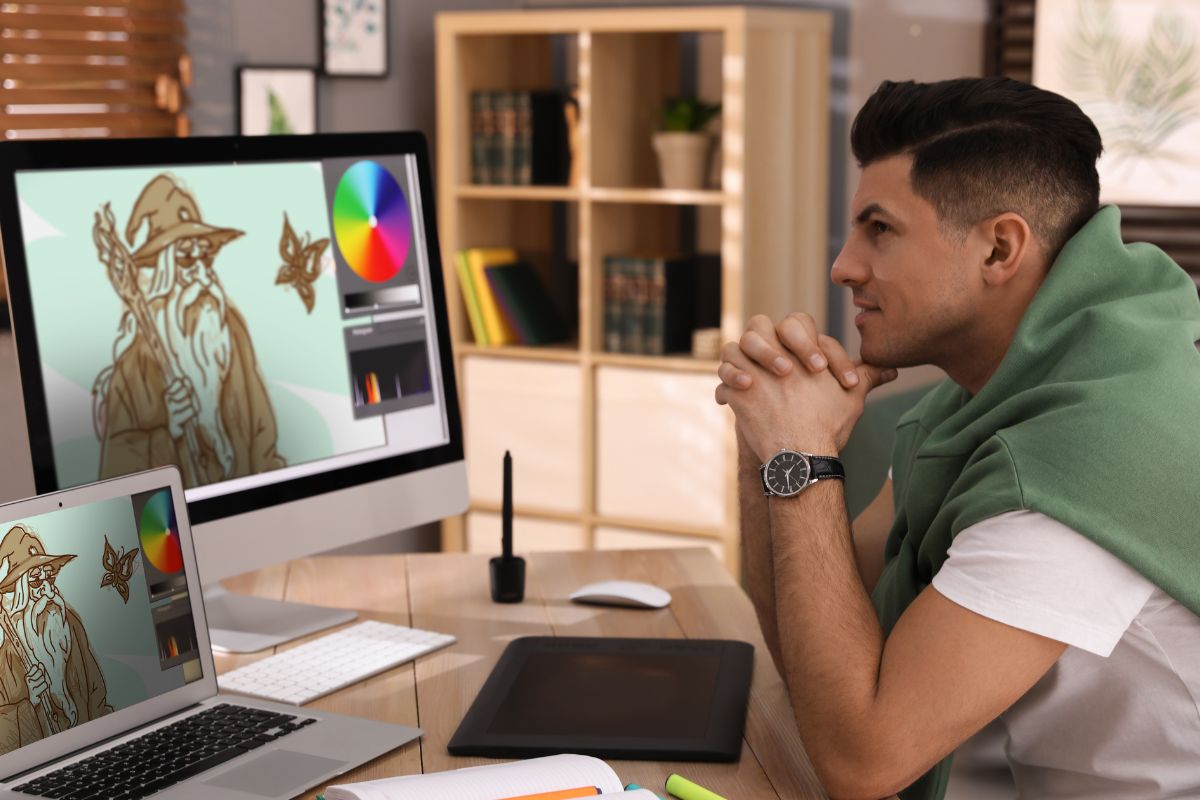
449, 593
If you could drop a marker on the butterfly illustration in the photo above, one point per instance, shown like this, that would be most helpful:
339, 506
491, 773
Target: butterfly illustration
118, 568
301, 263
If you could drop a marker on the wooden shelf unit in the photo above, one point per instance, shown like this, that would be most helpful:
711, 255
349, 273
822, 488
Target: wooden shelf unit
767, 217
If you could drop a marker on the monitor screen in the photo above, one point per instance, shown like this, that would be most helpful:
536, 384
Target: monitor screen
269, 325
97, 614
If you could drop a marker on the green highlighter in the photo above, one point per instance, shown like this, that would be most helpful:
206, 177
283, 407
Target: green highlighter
684, 789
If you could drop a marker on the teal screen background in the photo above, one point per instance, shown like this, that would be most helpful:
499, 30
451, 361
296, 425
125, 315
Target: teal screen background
301, 356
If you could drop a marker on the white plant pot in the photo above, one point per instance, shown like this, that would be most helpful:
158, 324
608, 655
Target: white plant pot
683, 159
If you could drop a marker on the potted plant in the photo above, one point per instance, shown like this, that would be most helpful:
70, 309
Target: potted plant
683, 145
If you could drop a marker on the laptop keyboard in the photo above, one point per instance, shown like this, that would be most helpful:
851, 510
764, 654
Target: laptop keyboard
166, 755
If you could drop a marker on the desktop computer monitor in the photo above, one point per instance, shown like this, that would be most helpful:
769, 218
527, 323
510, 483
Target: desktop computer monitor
266, 313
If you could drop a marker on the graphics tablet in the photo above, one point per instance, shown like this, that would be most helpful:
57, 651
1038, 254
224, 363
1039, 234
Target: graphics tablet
656, 699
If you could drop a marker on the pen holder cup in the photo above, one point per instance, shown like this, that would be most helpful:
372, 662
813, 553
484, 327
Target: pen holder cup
508, 579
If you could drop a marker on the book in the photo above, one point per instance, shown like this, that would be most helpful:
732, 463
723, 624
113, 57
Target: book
495, 781
523, 144
612, 304
470, 299
496, 328
525, 304
686, 296
506, 121
480, 107
489, 138
549, 155
633, 272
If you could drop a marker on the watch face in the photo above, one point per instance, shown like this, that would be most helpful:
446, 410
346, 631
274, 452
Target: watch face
787, 473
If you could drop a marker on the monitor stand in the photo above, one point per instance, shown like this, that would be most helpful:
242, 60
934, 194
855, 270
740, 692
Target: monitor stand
239, 623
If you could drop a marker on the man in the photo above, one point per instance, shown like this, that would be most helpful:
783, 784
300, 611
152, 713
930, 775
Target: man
49, 678
1037, 558
213, 418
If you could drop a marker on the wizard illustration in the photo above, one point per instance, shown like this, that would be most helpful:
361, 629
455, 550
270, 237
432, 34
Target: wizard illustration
185, 386
49, 678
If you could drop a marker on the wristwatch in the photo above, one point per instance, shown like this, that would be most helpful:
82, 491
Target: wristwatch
789, 472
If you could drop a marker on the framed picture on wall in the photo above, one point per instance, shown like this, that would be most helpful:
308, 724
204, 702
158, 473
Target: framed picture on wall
354, 38
1132, 67
276, 100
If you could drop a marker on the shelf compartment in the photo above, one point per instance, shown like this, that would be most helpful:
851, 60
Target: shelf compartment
632, 75
497, 62
542, 232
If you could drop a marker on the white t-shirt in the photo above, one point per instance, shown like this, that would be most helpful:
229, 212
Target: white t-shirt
1118, 715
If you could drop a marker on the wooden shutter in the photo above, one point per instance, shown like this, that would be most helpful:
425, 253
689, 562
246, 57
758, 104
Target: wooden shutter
1009, 51
92, 68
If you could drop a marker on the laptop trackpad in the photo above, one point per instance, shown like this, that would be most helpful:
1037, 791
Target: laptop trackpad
276, 773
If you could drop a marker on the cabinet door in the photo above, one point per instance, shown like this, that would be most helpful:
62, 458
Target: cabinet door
660, 447
533, 410
529, 535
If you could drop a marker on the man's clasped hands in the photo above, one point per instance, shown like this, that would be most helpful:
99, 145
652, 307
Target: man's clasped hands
793, 388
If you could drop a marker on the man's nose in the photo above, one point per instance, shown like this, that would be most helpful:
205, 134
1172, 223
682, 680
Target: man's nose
848, 269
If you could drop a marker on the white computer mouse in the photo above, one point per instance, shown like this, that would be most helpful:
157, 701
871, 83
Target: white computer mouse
632, 594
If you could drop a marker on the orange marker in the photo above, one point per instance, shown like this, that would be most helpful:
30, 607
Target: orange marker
562, 794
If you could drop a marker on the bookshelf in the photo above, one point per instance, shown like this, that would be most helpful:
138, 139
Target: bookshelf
613, 449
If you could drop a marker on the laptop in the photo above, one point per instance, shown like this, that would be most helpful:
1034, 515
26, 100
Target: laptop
107, 683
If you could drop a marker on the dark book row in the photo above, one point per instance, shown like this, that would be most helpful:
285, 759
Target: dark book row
521, 138
652, 305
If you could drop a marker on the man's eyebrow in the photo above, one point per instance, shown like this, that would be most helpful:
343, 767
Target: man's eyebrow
873, 208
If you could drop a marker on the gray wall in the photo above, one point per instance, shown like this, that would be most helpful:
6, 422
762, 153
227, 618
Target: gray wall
224, 34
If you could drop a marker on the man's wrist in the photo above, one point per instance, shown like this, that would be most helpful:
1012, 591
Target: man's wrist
817, 446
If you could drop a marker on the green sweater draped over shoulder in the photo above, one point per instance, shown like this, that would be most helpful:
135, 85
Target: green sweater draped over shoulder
1092, 418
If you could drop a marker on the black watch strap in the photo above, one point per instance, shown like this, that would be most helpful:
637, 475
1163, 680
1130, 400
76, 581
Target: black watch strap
827, 467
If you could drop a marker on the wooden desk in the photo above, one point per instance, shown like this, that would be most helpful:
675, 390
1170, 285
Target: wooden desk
449, 593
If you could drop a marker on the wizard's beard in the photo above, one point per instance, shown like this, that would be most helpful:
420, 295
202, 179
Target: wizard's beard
200, 343
41, 617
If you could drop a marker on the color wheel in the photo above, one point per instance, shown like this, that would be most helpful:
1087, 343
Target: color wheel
371, 222
159, 534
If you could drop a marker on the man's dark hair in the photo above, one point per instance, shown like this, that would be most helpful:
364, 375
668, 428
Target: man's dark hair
985, 146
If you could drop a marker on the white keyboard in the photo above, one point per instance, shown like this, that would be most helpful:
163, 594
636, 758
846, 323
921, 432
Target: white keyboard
334, 661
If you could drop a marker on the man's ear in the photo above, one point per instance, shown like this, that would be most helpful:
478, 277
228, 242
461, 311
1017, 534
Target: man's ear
1011, 242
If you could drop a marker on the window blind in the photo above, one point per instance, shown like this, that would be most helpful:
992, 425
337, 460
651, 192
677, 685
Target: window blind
93, 68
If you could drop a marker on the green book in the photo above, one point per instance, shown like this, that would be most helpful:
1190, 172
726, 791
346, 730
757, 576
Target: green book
525, 303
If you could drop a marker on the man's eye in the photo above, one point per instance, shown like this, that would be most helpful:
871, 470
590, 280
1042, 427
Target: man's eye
878, 227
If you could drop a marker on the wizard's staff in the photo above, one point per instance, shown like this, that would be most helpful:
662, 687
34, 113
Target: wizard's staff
48, 718
122, 273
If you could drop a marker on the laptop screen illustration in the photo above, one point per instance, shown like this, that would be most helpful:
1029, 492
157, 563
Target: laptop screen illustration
94, 614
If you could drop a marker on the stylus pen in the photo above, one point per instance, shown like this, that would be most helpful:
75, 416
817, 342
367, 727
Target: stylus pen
562, 794
684, 789
506, 538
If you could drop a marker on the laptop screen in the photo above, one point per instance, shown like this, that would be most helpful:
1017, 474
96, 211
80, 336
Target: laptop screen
94, 614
